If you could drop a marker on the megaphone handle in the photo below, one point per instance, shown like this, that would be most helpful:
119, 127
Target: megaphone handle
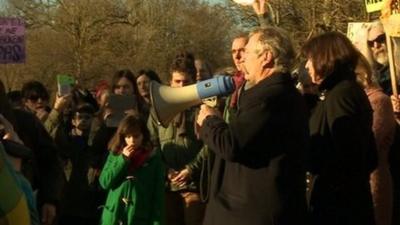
211, 101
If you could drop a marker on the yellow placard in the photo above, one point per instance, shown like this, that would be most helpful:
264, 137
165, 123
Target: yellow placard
374, 5
390, 19
391, 25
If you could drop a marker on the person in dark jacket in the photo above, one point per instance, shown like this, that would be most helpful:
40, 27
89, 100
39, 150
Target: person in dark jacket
44, 169
343, 151
81, 193
259, 174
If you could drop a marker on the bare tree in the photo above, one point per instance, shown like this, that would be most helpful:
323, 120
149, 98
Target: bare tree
303, 17
92, 38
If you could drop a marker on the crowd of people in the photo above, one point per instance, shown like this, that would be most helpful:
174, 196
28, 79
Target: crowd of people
319, 146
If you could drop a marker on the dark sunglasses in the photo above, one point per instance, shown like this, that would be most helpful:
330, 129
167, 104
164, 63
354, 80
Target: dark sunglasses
34, 98
380, 40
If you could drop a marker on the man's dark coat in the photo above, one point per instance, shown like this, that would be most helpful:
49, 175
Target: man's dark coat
259, 174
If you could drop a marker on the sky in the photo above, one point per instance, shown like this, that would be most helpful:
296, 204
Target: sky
214, 1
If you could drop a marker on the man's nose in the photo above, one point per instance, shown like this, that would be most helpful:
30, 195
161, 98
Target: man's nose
238, 55
242, 58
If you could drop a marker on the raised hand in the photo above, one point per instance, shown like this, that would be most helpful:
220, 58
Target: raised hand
259, 7
395, 103
206, 111
62, 102
128, 151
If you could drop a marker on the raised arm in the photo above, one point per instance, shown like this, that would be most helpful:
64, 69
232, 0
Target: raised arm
263, 12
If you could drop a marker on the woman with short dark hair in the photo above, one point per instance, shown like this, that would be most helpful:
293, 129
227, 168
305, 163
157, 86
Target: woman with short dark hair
343, 151
36, 97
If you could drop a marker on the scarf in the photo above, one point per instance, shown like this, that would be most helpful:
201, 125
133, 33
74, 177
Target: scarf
238, 79
139, 157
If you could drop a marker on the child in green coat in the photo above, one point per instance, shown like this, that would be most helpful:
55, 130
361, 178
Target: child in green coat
134, 177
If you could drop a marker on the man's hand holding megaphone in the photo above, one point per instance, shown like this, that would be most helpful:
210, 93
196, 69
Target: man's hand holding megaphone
206, 111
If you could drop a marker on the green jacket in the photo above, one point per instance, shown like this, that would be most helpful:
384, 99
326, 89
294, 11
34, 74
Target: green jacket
177, 150
138, 201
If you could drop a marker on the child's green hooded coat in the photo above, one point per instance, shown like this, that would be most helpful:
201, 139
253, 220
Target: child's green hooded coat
135, 201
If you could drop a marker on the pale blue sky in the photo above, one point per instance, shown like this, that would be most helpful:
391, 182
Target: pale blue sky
215, 1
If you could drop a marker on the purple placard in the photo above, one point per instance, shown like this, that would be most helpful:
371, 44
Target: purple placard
12, 40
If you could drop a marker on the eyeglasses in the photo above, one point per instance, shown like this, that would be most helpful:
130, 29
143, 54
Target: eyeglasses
380, 40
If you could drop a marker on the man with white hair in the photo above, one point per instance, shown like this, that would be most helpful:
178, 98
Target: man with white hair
259, 173
378, 50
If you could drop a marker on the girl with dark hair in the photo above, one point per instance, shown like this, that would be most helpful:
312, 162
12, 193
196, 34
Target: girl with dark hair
133, 176
343, 151
122, 83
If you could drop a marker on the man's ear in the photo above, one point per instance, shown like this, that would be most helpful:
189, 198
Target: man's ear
268, 59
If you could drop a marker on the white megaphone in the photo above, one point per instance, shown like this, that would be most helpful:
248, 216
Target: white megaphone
167, 102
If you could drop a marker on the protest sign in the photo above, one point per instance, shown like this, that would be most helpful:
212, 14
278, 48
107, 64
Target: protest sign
119, 104
373, 5
12, 40
357, 32
65, 84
